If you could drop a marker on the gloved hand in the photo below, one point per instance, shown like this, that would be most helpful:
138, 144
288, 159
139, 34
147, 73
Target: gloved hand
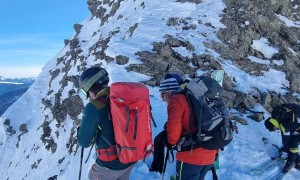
169, 146
77, 130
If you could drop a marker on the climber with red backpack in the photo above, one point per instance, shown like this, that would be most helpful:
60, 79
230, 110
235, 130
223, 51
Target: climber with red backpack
117, 121
286, 119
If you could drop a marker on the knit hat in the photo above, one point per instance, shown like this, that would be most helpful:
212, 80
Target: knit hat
176, 76
169, 85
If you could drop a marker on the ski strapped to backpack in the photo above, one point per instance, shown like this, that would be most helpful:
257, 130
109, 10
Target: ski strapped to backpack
208, 112
218, 76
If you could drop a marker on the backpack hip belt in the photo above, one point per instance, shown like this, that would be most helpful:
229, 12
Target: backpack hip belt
108, 154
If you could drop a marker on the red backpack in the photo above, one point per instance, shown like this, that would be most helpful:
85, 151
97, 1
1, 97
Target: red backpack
131, 116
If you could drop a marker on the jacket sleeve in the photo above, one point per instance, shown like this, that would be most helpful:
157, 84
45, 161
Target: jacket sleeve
88, 126
174, 122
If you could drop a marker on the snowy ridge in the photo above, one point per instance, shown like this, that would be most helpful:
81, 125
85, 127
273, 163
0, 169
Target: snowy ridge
49, 150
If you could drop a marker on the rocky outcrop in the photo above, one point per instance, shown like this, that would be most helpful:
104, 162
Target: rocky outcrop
10, 130
77, 28
183, 45
6, 122
251, 20
245, 22
23, 128
103, 13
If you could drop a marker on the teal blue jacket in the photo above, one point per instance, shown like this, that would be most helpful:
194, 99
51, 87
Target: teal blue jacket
96, 113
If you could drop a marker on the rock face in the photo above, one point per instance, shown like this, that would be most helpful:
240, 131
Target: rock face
251, 20
246, 22
23, 128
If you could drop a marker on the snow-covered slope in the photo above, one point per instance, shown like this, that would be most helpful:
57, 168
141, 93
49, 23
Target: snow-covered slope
11, 90
122, 36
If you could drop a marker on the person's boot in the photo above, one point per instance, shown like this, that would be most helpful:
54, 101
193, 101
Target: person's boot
288, 166
297, 166
155, 170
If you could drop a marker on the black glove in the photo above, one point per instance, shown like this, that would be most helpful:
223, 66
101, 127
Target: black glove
78, 128
169, 146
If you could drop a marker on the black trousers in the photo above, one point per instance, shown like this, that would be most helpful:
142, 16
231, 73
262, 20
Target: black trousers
293, 143
160, 142
158, 156
185, 171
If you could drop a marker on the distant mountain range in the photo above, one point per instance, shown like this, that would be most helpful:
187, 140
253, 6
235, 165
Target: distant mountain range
11, 89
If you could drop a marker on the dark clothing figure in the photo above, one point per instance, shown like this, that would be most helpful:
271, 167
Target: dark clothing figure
94, 124
159, 151
286, 118
96, 127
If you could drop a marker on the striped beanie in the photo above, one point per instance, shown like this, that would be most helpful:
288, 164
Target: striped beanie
169, 85
176, 76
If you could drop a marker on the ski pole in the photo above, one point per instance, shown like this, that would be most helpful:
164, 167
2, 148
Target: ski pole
80, 168
89, 154
214, 173
152, 118
165, 163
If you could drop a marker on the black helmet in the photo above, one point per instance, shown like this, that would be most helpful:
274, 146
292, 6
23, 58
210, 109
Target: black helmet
91, 76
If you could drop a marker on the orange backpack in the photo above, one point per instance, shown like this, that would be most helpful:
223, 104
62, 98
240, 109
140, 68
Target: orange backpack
131, 117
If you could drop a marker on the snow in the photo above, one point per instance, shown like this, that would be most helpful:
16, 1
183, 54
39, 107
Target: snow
183, 51
288, 22
278, 62
262, 45
246, 152
3, 82
245, 83
258, 60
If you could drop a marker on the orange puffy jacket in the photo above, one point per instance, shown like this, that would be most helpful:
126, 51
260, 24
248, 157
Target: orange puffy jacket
178, 125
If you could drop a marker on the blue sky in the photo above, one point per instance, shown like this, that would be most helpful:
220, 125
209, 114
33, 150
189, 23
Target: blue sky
32, 33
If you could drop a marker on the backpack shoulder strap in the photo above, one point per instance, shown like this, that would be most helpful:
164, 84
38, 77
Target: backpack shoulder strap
100, 102
285, 116
287, 109
192, 118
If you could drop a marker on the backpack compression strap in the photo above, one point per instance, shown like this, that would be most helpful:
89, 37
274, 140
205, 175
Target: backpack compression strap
136, 112
108, 154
